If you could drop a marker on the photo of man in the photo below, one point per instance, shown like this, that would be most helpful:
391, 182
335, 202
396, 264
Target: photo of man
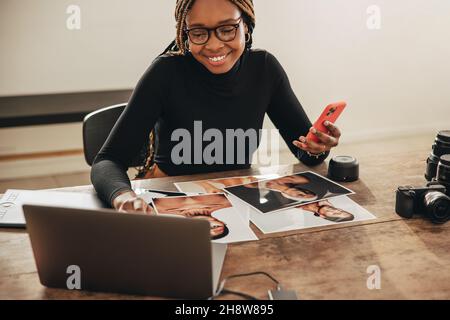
288, 191
320, 213
290, 187
325, 210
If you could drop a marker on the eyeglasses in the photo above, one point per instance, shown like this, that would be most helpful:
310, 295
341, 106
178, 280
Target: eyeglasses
224, 33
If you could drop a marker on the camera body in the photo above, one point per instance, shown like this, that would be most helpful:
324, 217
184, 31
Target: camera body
433, 200
430, 201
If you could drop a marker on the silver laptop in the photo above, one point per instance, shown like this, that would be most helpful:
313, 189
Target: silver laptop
125, 253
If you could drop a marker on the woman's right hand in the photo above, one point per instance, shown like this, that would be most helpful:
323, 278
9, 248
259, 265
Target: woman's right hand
130, 202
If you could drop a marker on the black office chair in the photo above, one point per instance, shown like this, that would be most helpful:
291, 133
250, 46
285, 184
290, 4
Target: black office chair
96, 127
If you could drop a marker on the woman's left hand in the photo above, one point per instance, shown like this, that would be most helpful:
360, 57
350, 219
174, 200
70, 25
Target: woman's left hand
327, 141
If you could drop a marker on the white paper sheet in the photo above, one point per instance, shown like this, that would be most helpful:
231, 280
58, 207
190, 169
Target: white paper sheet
297, 218
11, 213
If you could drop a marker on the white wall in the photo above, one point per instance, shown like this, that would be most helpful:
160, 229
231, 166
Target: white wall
396, 79
116, 42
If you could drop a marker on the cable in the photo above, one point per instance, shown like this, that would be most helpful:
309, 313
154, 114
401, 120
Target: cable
222, 291
237, 293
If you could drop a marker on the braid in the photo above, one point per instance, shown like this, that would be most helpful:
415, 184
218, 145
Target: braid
182, 8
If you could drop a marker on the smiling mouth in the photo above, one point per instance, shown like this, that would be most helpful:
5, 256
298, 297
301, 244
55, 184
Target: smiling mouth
217, 60
197, 212
217, 230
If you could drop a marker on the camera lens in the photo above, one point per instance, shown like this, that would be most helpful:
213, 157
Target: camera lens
440, 147
437, 206
443, 172
442, 143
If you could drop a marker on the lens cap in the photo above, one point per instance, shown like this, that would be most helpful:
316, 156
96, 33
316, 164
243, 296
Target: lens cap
444, 135
343, 168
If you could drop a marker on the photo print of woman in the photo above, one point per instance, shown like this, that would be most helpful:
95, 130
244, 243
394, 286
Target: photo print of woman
226, 224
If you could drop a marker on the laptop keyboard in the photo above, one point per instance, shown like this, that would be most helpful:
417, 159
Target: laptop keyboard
6, 203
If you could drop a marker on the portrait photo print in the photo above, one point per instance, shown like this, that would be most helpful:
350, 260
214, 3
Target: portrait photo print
218, 184
227, 225
149, 194
327, 212
288, 191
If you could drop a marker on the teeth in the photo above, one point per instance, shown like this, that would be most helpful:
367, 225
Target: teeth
215, 59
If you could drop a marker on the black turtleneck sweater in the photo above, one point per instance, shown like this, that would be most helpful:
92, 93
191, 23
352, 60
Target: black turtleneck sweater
177, 91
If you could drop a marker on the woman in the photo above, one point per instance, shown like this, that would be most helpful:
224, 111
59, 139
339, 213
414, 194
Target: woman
208, 74
198, 207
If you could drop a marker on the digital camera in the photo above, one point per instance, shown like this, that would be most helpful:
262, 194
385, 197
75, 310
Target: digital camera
430, 201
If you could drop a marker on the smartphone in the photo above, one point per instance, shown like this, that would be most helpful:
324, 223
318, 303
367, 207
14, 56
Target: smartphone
330, 113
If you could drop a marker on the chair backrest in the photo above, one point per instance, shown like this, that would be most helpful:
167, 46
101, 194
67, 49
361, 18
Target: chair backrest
96, 127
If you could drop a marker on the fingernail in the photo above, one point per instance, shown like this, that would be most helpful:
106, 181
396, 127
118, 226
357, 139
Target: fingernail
313, 130
326, 123
302, 139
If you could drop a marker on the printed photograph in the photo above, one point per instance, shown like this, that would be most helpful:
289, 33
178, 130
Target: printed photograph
217, 185
226, 224
288, 191
149, 194
322, 213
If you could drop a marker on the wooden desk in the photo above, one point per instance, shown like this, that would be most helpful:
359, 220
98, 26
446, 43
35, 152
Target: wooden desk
321, 263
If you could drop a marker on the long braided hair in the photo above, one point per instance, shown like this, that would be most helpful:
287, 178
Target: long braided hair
178, 47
